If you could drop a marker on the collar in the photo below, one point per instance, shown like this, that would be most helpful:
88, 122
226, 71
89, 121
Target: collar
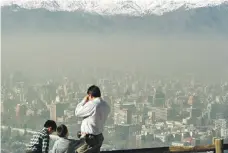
95, 99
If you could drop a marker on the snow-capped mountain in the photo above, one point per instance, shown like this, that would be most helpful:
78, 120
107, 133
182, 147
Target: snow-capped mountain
114, 7
140, 16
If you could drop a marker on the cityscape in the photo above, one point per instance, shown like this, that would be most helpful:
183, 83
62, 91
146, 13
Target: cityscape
161, 66
145, 112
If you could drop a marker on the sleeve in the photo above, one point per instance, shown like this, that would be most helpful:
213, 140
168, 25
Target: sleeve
45, 144
84, 109
54, 147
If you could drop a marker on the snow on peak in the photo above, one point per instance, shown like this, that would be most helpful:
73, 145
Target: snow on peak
114, 7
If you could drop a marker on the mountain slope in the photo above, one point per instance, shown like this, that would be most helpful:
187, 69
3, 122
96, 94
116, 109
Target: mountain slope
115, 7
211, 19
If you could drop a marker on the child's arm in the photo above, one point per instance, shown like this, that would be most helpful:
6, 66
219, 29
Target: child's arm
45, 144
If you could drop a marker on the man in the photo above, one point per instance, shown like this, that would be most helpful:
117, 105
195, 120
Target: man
40, 141
94, 111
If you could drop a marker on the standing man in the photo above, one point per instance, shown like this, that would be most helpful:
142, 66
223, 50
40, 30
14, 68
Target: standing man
94, 111
40, 141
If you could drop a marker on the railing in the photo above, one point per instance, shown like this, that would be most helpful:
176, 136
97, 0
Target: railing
217, 147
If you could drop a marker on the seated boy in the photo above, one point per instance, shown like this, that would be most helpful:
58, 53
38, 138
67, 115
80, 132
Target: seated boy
63, 144
40, 141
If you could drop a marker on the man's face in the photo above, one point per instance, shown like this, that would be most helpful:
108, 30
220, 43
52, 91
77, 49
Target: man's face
90, 97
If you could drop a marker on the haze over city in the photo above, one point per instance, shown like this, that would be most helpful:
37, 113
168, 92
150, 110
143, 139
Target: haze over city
50, 55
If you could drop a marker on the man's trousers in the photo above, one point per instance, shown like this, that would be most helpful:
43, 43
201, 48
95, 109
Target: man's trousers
90, 144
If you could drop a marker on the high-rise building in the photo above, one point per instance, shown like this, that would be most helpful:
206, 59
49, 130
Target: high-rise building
152, 115
20, 111
224, 132
136, 119
159, 99
190, 100
161, 113
150, 99
218, 111
57, 110
194, 101
220, 123
60, 107
195, 112
123, 116
53, 112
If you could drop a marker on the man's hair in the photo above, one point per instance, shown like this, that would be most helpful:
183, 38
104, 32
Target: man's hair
50, 123
62, 130
94, 91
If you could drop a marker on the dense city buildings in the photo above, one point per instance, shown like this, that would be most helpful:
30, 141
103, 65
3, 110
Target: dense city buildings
144, 112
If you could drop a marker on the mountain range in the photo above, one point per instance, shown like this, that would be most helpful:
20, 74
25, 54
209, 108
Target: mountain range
130, 16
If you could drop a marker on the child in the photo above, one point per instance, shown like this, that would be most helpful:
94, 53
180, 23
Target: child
40, 141
63, 144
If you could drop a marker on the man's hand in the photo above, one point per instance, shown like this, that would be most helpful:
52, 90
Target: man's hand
79, 134
86, 99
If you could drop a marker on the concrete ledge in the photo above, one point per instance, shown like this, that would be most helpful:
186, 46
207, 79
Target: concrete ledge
172, 149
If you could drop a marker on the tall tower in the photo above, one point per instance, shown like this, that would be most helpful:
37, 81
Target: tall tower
190, 100
159, 99
18, 111
53, 112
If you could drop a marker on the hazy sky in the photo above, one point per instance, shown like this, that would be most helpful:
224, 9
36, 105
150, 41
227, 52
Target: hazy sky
48, 52
81, 40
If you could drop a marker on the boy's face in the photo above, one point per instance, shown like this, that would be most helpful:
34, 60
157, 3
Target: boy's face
50, 131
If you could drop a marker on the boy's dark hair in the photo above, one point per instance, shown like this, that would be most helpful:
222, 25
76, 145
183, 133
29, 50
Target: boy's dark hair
94, 91
62, 130
50, 123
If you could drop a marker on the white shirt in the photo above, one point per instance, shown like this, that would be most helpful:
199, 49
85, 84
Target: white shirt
95, 114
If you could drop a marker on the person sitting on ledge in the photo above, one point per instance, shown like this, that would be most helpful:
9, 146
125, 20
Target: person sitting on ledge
63, 144
40, 141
